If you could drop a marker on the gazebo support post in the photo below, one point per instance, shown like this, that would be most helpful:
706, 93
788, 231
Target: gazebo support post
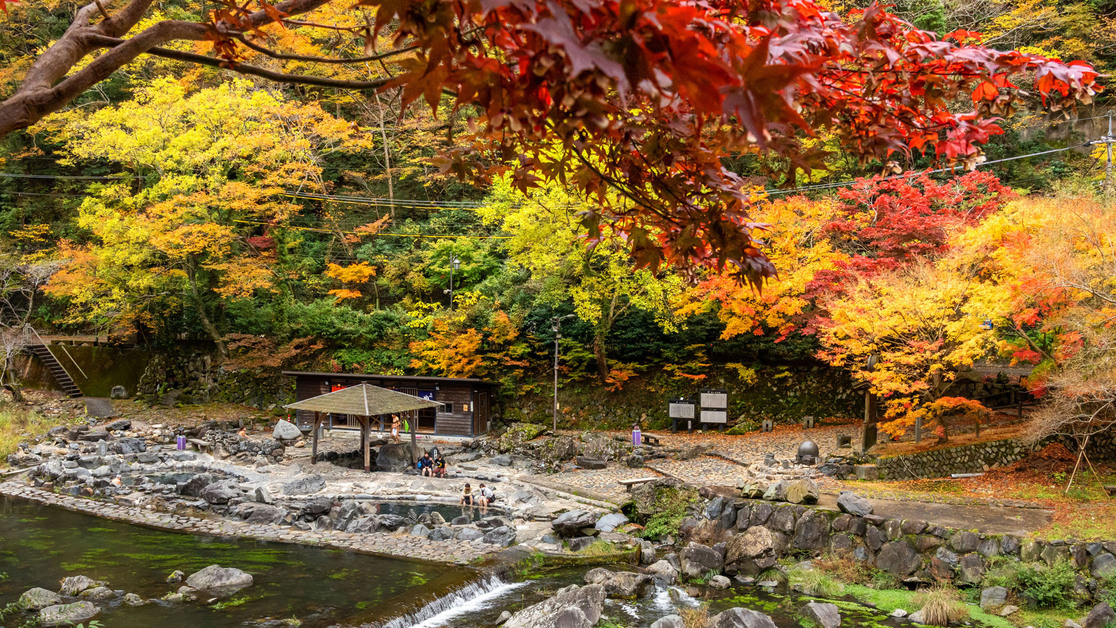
365, 432
414, 439
317, 428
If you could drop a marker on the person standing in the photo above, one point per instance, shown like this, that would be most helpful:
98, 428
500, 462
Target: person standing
395, 427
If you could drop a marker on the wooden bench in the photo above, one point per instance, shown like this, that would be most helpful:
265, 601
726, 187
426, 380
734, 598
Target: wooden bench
651, 440
1110, 489
628, 484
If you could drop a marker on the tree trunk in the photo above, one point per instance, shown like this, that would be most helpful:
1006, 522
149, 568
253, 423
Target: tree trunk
207, 324
602, 357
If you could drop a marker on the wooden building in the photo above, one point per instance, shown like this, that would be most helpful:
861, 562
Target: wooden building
466, 409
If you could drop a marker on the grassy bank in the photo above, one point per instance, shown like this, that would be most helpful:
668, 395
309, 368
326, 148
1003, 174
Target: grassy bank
17, 425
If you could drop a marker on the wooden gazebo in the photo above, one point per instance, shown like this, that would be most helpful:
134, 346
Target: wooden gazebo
363, 401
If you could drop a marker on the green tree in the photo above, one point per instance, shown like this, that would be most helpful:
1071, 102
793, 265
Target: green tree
194, 228
547, 240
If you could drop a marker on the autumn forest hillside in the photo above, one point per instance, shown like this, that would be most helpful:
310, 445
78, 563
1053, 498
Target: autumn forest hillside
300, 225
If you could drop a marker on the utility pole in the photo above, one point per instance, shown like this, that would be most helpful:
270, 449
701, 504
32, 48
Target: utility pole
557, 336
454, 265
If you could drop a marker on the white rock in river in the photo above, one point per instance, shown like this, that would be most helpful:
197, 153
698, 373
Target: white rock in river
38, 599
285, 430
217, 579
67, 614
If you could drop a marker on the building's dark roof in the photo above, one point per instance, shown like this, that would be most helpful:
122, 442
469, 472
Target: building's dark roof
414, 378
363, 400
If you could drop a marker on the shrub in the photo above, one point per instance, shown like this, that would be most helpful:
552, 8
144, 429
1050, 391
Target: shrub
844, 568
1048, 587
1003, 572
941, 606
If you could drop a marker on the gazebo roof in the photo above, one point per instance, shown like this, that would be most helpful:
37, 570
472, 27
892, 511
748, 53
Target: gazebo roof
363, 400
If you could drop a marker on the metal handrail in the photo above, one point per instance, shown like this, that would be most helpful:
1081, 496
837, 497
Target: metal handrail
64, 350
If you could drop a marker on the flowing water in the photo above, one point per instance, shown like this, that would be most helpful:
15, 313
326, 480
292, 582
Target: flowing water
40, 545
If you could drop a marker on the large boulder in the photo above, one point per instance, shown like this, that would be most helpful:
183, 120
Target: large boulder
803, 492
304, 486
823, 614
570, 523
220, 492
670, 621
622, 584
502, 536
571, 607
394, 457
663, 570
73, 585
195, 485
1102, 615
37, 599
752, 551
740, 618
698, 560
215, 579
257, 513
993, 598
898, 558
286, 431
68, 614
853, 504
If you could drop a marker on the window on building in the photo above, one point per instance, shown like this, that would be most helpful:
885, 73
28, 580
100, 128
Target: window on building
446, 409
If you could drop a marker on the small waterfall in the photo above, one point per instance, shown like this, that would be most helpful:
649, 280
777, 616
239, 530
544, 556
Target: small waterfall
471, 597
667, 599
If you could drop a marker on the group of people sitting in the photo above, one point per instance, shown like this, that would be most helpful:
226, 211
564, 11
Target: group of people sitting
432, 467
483, 497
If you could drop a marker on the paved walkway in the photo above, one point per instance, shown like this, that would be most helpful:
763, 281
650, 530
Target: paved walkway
398, 545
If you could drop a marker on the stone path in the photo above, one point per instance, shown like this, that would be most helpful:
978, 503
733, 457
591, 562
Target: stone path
402, 545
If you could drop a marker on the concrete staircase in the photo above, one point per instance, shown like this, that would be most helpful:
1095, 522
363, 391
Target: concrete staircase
65, 382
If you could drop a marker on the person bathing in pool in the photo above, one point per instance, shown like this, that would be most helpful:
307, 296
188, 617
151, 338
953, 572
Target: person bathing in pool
467, 495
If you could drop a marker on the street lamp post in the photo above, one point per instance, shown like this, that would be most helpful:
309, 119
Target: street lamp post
557, 336
454, 265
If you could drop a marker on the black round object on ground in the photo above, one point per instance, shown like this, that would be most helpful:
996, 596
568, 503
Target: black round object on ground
807, 453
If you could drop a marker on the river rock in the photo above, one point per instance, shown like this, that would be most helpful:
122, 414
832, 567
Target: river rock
220, 492
571, 607
420, 530
38, 598
622, 584
98, 593
720, 582
853, 504
391, 522
469, 534
1101, 616
697, 560
68, 614
825, 615
219, 580
503, 536
257, 513
394, 457
73, 585
570, 523
610, 522
776, 492
304, 486
670, 621
195, 485
803, 492
131, 599
899, 558
118, 392
993, 598
591, 463
664, 570
740, 618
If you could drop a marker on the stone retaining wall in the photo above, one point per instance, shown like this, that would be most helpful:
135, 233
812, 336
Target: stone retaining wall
759, 533
382, 544
980, 457
943, 462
